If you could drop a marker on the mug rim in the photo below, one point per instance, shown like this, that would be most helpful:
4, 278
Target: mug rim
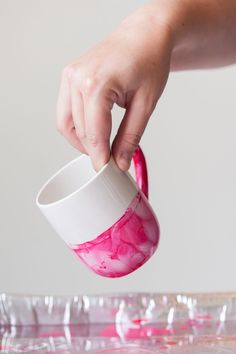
90, 180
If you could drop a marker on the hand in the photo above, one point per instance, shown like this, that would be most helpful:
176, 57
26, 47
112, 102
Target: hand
129, 68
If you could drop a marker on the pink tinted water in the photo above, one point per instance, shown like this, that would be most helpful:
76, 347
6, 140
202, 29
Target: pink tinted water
137, 332
127, 245
127, 350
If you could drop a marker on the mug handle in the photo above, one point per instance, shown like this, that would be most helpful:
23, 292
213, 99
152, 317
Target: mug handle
141, 170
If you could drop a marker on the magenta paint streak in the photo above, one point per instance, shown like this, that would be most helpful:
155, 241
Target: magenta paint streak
204, 317
138, 332
171, 342
52, 334
125, 246
6, 348
127, 350
147, 332
164, 347
139, 321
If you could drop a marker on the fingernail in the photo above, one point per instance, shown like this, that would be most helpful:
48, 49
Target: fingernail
98, 163
123, 161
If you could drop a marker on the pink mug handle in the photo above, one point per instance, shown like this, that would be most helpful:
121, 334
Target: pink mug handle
141, 170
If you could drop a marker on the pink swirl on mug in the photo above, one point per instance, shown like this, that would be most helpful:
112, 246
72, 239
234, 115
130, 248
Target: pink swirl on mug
104, 217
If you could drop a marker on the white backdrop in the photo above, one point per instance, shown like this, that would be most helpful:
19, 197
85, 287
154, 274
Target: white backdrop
190, 147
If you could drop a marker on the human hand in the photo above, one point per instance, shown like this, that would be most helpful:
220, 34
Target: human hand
129, 68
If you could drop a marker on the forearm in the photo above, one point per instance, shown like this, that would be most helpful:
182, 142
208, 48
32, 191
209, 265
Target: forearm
207, 35
203, 31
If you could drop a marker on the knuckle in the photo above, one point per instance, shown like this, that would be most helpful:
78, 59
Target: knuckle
132, 139
150, 109
68, 71
149, 106
90, 84
73, 73
81, 134
146, 103
93, 139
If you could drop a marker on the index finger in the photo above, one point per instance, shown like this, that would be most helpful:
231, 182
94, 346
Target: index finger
97, 113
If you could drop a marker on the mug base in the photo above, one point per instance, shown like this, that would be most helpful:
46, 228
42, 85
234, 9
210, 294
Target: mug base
126, 245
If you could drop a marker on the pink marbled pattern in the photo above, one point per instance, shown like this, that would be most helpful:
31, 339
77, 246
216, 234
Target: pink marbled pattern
125, 246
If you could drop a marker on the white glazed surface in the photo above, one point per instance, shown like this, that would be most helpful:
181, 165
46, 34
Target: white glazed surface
80, 204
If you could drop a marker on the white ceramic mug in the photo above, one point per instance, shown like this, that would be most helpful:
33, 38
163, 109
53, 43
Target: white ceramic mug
102, 216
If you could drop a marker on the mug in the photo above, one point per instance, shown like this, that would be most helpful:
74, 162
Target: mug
104, 217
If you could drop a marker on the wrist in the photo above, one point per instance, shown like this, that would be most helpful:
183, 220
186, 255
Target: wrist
153, 22
174, 20
176, 15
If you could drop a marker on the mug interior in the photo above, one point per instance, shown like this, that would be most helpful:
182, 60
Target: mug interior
68, 180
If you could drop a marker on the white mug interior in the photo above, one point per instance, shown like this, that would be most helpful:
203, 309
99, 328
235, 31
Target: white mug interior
69, 179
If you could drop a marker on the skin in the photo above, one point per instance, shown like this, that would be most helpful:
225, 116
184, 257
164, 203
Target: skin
130, 68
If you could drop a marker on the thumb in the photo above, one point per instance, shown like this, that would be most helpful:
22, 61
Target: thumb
130, 132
